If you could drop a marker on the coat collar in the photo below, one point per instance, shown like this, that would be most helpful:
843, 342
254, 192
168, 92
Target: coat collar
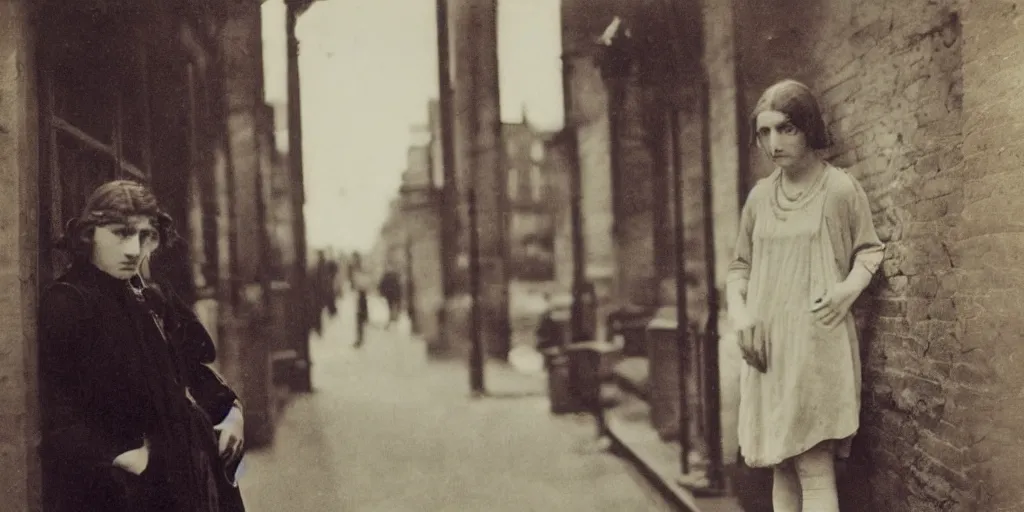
89, 274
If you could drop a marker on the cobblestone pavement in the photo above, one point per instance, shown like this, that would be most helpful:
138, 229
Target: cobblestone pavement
387, 431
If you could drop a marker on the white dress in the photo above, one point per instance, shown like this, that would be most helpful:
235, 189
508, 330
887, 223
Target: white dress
788, 254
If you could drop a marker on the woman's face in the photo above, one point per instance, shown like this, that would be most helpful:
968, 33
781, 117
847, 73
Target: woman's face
120, 248
780, 139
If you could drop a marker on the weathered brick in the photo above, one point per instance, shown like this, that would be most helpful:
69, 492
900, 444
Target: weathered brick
970, 375
19, 416
925, 114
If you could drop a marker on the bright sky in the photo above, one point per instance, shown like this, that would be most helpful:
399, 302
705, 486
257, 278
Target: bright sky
368, 69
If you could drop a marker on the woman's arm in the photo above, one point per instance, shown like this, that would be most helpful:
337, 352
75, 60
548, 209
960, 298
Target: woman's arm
867, 250
69, 432
209, 390
866, 254
739, 269
751, 340
195, 349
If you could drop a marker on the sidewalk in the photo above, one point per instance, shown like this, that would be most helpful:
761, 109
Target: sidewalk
387, 431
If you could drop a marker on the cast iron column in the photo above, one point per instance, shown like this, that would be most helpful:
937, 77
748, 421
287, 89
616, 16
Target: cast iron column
301, 381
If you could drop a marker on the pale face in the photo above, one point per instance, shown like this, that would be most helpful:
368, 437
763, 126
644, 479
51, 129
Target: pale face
120, 248
780, 139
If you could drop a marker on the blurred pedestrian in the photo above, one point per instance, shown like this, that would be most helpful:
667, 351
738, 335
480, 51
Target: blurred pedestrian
360, 281
331, 289
315, 295
134, 419
390, 287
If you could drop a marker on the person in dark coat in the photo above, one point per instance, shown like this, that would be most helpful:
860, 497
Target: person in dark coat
134, 418
359, 283
390, 287
331, 288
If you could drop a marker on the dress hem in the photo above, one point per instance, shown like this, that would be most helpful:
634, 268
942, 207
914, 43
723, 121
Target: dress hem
838, 453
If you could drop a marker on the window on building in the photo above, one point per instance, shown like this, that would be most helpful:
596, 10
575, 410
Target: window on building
93, 102
98, 107
513, 183
537, 183
537, 151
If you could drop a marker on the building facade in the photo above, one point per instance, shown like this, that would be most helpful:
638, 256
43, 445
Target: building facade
919, 97
166, 93
531, 229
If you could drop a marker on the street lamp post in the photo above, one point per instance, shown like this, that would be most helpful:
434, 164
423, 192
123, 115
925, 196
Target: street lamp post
301, 377
476, 352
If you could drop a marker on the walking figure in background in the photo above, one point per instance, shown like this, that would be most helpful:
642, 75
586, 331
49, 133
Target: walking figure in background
806, 250
133, 418
360, 282
390, 287
331, 290
316, 301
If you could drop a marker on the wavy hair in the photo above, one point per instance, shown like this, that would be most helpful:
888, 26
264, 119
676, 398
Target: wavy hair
110, 203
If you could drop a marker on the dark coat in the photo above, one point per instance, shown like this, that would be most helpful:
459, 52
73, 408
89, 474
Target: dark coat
116, 368
390, 286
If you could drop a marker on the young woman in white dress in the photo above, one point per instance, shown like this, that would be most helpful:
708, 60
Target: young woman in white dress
806, 250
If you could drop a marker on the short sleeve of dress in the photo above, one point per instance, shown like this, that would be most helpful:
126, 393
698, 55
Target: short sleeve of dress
739, 268
867, 250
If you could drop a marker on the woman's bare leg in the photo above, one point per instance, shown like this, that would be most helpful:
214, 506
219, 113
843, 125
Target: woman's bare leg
785, 488
816, 471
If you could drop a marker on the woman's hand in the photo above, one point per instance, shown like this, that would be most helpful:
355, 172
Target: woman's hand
751, 340
134, 461
832, 308
231, 438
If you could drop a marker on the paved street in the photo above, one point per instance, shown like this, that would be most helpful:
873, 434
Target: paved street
388, 431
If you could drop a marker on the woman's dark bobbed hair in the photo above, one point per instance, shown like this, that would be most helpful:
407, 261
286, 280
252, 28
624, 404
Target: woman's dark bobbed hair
110, 203
797, 102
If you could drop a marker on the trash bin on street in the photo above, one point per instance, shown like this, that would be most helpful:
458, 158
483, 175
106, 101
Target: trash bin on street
559, 382
587, 361
552, 338
584, 374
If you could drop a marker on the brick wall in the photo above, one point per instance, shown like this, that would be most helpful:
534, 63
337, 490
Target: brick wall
889, 76
19, 410
985, 249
